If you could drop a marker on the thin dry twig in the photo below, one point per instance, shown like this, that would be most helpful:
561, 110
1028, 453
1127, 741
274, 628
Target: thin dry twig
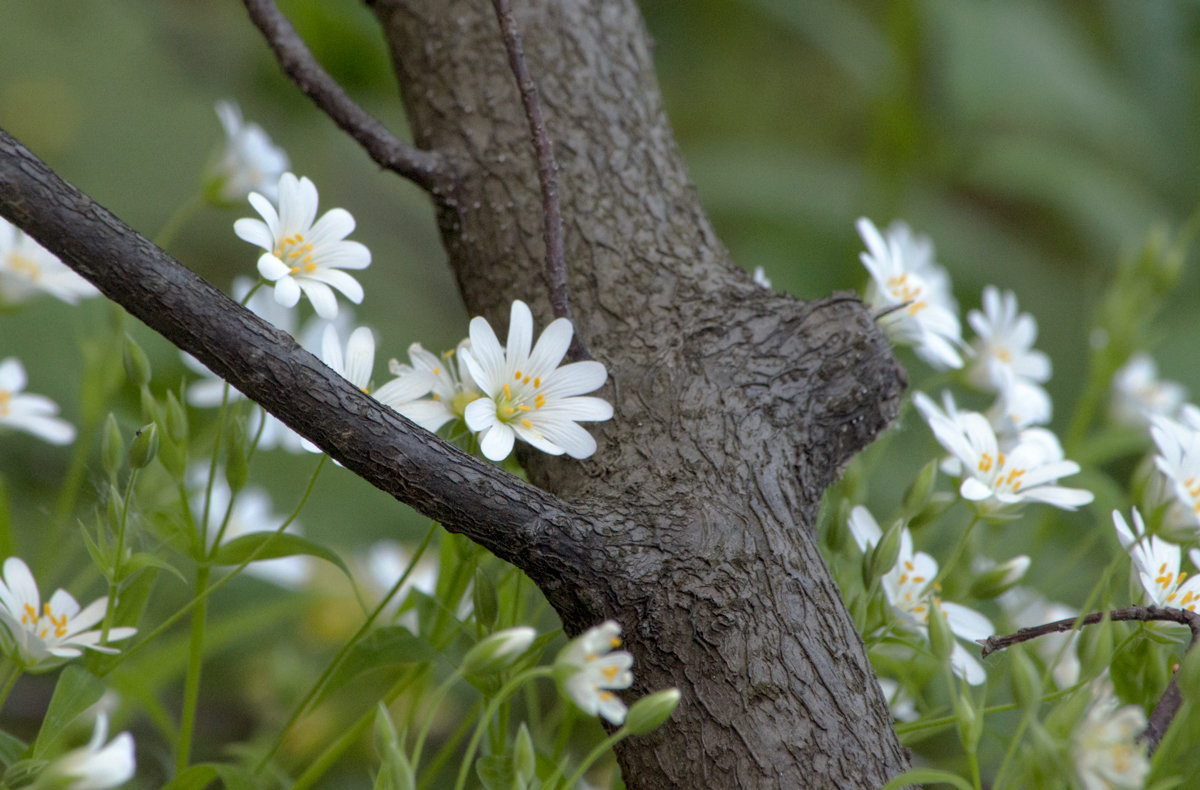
426, 169
1160, 719
552, 230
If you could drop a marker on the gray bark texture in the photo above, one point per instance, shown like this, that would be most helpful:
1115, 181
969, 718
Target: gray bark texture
735, 406
692, 525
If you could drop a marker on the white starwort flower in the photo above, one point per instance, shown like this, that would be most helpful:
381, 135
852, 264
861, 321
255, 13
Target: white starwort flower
1178, 446
995, 477
1019, 405
761, 278
1157, 564
38, 637
910, 589
96, 766
302, 256
27, 269
1106, 748
1026, 608
26, 412
358, 362
1138, 394
589, 668
453, 388
527, 394
249, 162
901, 704
917, 293
1003, 351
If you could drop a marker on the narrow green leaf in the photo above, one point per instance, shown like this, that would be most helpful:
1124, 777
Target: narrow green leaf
238, 550
383, 647
11, 748
76, 691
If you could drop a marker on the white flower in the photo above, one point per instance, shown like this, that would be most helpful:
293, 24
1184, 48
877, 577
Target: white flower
39, 637
358, 362
528, 395
1003, 350
910, 589
761, 278
97, 766
996, 478
30, 413
27, 269
1157, 564
1019, 405
249, 162
589, 669
1026, 608
452, 390
1179, 457
907, 281
1106, 748
252, 512
1138, 394
901, 704
303, 256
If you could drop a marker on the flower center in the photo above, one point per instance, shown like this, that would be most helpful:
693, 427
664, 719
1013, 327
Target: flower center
519, 396
902, 290
297, 252
42, 625
5, 401
1193, 490
25, 266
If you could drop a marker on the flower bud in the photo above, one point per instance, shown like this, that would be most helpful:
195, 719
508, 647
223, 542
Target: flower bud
1026, 682
969, 719
916, 497
1000, 578
396, 772
938, 504
177, 421
524, 759
137, 366
112, 446
1095, 649
648, 713
237, 469
941, 638
144, 446
498, 651
484, 593
882, 558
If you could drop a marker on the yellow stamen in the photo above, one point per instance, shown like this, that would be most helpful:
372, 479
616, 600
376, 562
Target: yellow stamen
537, 382
526, 423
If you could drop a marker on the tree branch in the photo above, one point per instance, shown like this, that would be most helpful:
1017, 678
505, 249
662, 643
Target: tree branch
1164, 712
547, 169
508, 516
426, 169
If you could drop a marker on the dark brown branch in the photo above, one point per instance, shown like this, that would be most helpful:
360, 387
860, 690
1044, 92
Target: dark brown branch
518, 522
547, 168
1168, 705
426, 169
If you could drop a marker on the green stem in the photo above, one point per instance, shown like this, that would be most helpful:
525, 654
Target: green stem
114, 581
435, 702
337, 660
334, 751
170, 621
594, 755
449, 747
505, 691
178, 219
191, 683
10, 672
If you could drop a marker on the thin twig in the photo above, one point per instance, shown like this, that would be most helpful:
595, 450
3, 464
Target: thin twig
426, 169
1168, 705
552, 227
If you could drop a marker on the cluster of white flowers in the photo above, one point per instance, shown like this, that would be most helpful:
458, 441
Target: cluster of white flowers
1107, 747
911, 589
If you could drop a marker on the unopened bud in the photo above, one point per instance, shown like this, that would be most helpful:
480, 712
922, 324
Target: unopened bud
1026, 682
144, 446
112, 446
648, 713
524, 760
498, 651
137, 366
916, 497
941, 638
882, 558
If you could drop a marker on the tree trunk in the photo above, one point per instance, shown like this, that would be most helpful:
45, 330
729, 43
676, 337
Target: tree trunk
735, 406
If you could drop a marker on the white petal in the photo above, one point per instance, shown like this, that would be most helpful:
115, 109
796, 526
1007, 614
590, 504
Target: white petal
360, 357
254, 231
520, 334
497, 442
576, 378
480, 414
967, 623
864, 528
551, 347
349, 286
321, 297
335, 225
485, 358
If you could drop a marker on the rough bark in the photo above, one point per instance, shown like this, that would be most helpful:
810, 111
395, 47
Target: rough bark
735, 406
692, 524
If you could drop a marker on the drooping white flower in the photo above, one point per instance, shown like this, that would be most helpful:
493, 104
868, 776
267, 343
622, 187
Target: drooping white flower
910, 588
28, 269
302, 256
33, 414
39, 636
249, 161
453, 388
761, 278
97, 765
1003, 351
252, 511
996, 478
1106, 747
589, 669
1138, 394
906, 281
1157, 564
1178, 457
527, 394
1026, 608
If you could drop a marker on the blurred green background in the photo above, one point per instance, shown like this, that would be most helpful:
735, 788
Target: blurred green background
1036, 144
